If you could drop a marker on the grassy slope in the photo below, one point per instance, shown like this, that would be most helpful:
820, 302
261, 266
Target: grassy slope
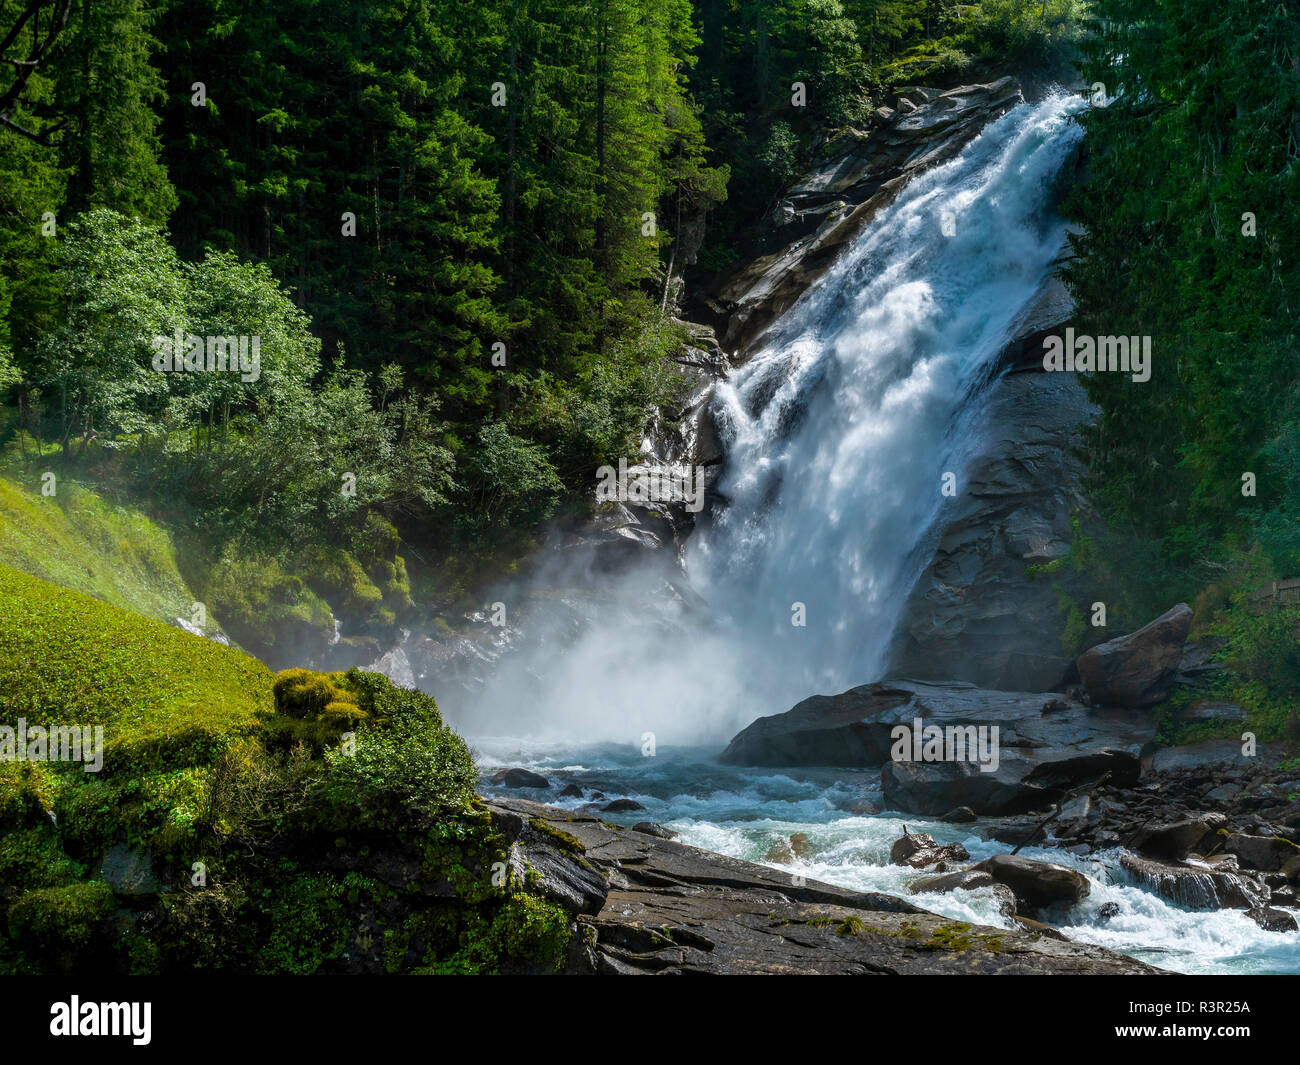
81, 541
67, 658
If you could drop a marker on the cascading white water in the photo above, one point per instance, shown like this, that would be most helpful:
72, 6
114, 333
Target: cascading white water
840, 430
838, 433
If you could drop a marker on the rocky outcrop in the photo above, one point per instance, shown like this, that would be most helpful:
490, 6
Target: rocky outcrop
1139, 669
519, 778
645, 905
1039, 755
862, 172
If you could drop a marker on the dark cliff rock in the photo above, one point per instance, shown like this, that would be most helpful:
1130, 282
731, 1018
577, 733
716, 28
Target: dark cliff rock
977, 614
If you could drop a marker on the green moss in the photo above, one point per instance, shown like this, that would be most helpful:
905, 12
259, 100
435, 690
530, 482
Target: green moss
162, 695
35, 858
67, 925
850, 926
561, 839
265, 608
79, 540
309, 926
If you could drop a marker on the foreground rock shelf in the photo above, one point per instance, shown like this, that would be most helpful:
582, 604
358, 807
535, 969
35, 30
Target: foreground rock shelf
644, 905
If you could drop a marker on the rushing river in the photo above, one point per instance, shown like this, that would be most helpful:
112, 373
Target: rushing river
752, 813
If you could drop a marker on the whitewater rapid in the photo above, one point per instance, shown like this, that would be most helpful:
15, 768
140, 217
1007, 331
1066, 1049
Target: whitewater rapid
753, 813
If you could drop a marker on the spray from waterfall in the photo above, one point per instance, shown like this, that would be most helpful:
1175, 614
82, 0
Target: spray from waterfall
838, 434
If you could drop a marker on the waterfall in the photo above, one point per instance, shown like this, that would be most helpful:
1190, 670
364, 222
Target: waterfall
838, 433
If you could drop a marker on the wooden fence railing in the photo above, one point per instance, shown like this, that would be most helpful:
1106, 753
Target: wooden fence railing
1287, 591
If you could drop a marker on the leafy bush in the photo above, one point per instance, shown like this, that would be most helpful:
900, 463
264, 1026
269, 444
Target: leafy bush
403, 774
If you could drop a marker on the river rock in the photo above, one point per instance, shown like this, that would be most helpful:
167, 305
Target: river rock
961, 815
650, 828
1037, 885
1038, 756
1139, 669
963, 880
1196, 885
1271, 919
1175, 840
622, 806
519, 778
919, 849
1268, 854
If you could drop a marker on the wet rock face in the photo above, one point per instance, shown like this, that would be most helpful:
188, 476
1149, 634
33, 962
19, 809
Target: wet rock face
1201, 885
1139, 669
976, 613
862, 172
645, 905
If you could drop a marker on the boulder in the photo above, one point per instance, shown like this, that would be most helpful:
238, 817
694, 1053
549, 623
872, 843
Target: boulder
1037, 757
129, 871
1036, 884
919, 849
519, 778
930, 788
1291, 870
1139, 669
1175, 840
961, 815
656, 830
1197, 885
963, 880
1271, 919
622, 806
1268, 854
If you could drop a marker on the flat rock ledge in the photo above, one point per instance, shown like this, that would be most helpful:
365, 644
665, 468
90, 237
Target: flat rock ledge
645, 905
